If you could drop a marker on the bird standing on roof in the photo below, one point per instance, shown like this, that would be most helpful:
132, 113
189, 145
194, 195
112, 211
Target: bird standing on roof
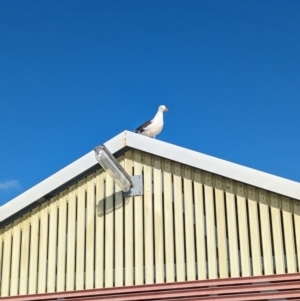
154, 126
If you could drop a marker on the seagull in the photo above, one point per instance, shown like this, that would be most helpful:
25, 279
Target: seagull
154, 126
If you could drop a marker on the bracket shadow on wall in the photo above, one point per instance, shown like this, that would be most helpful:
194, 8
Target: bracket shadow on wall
130, 185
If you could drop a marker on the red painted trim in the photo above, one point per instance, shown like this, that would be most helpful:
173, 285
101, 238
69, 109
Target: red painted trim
240, 288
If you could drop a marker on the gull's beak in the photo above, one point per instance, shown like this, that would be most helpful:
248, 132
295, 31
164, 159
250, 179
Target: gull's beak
166, 110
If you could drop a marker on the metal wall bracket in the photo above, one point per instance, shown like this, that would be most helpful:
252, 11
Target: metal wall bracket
137, 187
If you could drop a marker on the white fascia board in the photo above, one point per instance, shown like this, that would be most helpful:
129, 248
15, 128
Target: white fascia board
58, 179
214, 165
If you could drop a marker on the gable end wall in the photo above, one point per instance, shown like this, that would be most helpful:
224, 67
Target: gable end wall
188, 225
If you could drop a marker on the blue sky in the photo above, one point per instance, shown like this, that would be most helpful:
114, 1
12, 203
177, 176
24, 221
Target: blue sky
74, 74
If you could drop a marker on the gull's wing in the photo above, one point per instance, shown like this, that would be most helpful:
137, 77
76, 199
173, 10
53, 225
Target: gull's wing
142, 127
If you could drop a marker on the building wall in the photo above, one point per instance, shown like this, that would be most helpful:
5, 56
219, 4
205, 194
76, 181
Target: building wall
188, 225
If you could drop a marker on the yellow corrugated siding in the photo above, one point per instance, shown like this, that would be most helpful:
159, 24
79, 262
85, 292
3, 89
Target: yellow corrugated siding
52, 245
189, 224
71, 238
158, 221
90, 232
244, 250
289, 238
255, 243
99, 233
211, 241
275, 205
148, 220
128, 227
178, 220
15, 260
34, 251
6, 261
221, 228
232, 229
265, 232
168, 222
61, 242
138, 226
119, 237
200, 226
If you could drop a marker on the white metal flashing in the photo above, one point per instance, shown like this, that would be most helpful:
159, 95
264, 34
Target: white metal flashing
156, 147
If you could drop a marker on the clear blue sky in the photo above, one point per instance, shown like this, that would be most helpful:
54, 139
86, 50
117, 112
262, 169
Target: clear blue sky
74, 74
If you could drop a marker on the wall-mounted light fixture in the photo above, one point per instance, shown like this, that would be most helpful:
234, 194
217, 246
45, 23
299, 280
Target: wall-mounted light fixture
130, 186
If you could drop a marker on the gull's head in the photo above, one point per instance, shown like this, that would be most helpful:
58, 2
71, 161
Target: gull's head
162, 108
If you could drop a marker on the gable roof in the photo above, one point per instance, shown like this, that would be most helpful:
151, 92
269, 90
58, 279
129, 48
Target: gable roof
129, 140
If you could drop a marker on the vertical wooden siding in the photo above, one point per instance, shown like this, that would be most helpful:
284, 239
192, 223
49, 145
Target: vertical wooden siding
188, 225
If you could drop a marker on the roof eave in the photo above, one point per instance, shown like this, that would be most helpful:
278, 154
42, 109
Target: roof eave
214, 165
65, 175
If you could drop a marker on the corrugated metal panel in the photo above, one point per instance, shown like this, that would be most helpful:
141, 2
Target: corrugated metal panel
138, 227
90, 232
99, 233
200, 225
266, 237
253, 219
289, 239
276, 287
168, 222
148, 220
52, 245
71, 236
277, 228
189, 224
43, 247
244, 249
158, 221
210, 225
178, 219
6, 261
61, 242
128, 225
34, 251
119, 236
15, 262
221, 228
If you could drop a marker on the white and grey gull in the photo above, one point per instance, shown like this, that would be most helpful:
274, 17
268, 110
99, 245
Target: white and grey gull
153, 127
